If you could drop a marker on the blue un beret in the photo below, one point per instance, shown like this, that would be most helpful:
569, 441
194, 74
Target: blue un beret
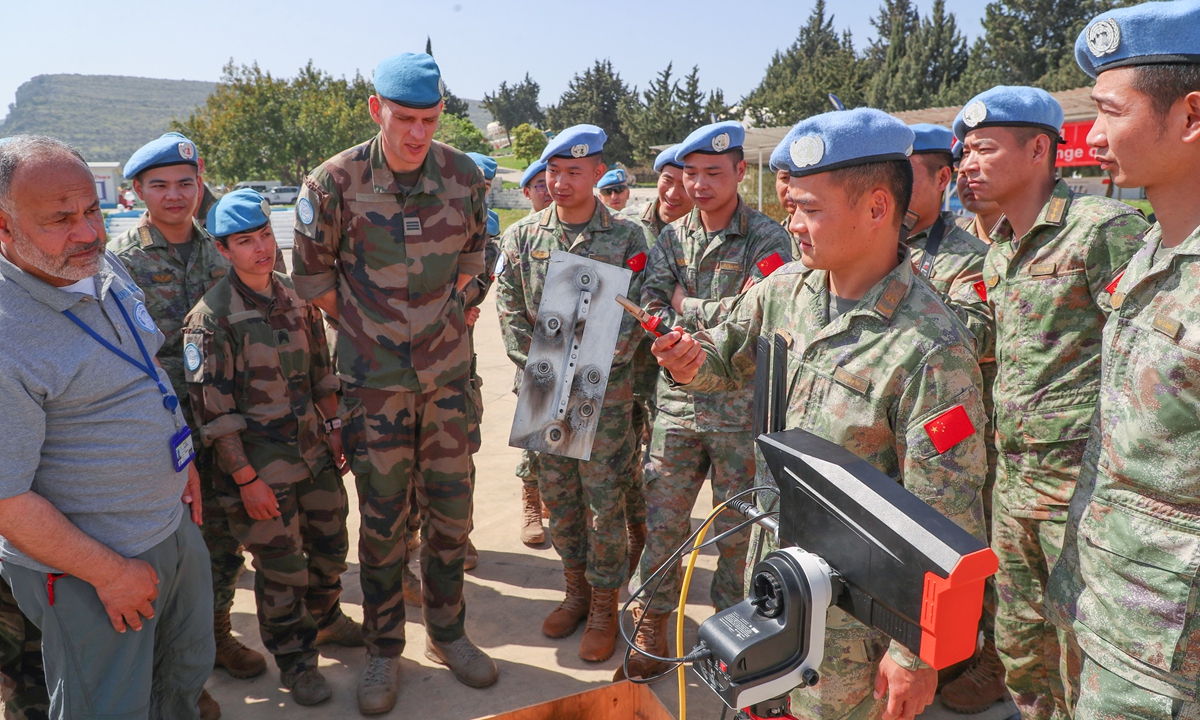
493, 224
843, 138
1010, 105
616, 176
532, 171
576, 141
239, 211
711, 140
1150, 33
170, 149
665, 158
486, 164
410, 79
932, 138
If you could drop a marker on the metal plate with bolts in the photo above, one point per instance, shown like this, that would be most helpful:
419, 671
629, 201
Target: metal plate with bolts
570, 355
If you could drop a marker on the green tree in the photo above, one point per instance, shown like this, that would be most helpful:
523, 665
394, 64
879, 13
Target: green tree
515, 105
461, 134
599, 96
897, 21
655, 118
798, 80
928, 72
691, 103
256, 126
715, 110
1029, 42
527, 142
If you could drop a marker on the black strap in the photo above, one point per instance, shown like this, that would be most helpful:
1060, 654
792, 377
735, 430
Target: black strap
936, 232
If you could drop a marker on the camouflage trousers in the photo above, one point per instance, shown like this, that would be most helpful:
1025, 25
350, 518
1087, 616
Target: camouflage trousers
635, 473
1106, 696
22, 677
680, 461
394, 439
416, 518
224, 550
1041, 661
571, 489
299, 558
853, 652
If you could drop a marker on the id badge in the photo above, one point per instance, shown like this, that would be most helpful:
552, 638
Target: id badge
182, 449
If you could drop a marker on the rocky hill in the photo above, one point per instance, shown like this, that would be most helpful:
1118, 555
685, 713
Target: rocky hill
106, 116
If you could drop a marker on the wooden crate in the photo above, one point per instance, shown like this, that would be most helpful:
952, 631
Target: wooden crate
619, 701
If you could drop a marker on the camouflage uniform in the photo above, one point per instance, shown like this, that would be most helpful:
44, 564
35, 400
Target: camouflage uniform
869, 381
22, 677
649, 219
571, 487
260, 366
1050, 293
172, 290
1126, 582
473, 295
394, 256
698, 431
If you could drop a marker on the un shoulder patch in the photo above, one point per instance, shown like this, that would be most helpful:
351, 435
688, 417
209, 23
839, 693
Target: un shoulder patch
191, 357
304, 211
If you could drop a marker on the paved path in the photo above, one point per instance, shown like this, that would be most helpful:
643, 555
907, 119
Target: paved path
507, 596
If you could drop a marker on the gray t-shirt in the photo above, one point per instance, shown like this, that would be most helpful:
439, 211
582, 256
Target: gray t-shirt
85, 429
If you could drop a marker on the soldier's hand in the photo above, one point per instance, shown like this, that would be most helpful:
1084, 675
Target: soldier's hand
908, 692
472, 315
260, 500
338, 452
680, 354
128, 595
677, 299
191, 494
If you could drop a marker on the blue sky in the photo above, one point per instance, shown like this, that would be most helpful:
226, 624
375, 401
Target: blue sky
477, 44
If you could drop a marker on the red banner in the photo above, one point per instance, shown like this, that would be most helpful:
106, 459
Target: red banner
1075, 151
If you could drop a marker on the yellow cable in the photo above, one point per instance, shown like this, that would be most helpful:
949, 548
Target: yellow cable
683, 593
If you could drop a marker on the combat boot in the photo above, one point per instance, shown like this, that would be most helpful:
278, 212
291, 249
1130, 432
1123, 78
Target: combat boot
600, 636
574, 607
411, 585
237, 659
468, 663
342, 631
651, 636
308, 686
209, 709
981, 685
532, 532
378, 685
637, 543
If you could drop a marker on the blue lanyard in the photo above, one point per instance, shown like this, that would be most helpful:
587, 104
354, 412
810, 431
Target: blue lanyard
170, 402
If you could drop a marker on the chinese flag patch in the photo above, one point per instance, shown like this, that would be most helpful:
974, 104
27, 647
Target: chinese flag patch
981, 290
1112, 286
770, 264
950, 428
637, 263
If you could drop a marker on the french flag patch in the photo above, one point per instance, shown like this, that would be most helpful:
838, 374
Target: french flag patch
950, 428
637, 263
770, 264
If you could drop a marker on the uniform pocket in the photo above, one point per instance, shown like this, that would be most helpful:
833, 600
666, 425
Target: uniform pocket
354, 435
1140, 573
1053, 442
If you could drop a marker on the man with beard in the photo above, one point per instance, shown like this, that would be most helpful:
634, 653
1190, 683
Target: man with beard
96, 545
